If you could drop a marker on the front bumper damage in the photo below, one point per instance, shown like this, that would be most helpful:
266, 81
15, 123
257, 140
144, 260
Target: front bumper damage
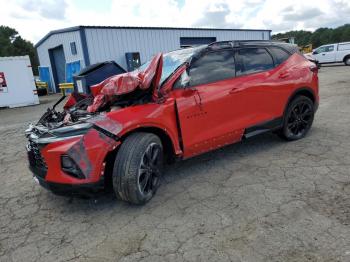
86, 145
69, 189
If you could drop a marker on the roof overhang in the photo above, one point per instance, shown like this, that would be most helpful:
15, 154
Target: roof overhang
77, 28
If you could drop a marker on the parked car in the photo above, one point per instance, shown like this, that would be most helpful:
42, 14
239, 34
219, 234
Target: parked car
176, 106
333, 53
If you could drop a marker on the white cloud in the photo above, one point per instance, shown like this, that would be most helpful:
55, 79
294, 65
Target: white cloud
34, 18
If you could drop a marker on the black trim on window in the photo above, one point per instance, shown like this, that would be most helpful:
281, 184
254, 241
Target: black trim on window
273, 54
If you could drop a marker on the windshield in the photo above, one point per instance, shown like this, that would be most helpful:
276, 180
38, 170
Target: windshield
172, 60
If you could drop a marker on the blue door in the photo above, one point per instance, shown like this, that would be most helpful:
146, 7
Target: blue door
72, 69
44, 75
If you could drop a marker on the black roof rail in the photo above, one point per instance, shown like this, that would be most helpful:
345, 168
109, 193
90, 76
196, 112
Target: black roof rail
233, 43
237, 43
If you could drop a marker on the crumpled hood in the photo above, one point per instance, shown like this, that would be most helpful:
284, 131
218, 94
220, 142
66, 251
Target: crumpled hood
126, 83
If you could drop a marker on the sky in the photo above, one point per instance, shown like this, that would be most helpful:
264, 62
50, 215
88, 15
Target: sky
35, 18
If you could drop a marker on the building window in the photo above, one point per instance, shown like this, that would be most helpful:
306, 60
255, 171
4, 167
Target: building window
73, 48
133, 60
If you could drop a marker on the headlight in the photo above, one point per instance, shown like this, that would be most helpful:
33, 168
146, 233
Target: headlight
73, 130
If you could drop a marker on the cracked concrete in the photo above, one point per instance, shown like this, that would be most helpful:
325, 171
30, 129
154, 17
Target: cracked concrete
260, 200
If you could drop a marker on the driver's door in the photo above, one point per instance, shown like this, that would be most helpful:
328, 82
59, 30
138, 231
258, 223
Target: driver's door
206, 108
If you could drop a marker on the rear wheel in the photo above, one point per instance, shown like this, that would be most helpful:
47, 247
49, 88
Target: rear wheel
347, 61
138, 168
298, 118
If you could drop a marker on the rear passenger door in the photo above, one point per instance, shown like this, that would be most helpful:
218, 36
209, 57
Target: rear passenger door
258, 86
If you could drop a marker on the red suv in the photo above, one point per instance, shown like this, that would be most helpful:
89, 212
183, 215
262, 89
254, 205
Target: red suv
178, 105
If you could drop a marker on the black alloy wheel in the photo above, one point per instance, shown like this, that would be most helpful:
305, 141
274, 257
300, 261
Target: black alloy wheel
138, 168
298, 118
149, 170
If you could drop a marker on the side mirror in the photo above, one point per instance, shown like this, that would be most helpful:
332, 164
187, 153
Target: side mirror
185, 79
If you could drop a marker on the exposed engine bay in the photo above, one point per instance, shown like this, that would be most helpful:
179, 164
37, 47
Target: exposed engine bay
114, 93
78, 112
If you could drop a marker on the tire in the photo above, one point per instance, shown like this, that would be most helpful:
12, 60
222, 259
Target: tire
298, 118
347, 61
138, 168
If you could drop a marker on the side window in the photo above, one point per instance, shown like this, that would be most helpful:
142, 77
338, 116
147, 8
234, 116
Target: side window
323, 49
73, 48
279, 54
320, 49
329, 48
212, 67
253, 60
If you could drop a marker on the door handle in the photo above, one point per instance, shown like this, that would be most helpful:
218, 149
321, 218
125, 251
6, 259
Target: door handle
283, 75
234, 90
323, 54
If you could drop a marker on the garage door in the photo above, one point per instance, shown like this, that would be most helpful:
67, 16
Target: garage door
58, 65
193, 41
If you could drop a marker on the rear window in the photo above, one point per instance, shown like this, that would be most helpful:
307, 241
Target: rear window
279, 54
253, 60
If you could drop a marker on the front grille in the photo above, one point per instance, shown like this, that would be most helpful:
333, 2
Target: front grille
34, 156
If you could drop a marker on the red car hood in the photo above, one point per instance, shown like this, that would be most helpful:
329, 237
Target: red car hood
126, 83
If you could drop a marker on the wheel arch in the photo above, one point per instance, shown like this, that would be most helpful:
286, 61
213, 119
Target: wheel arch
167, 142
165, 138
303, 91
345, 57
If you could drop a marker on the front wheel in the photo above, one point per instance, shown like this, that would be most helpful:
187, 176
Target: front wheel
298, 118
138, 168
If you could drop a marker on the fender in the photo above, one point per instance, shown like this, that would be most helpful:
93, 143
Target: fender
306, 91
161, 116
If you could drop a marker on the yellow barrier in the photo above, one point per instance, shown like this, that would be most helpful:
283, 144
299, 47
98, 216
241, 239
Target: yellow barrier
65, 86
40, 84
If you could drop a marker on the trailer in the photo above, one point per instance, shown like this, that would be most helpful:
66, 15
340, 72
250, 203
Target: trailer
17, 86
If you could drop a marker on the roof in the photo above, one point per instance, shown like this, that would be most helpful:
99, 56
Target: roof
292, 48
77, 28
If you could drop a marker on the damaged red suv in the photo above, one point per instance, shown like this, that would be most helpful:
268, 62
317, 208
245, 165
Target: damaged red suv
178, 105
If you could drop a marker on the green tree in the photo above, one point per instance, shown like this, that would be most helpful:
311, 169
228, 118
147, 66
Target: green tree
12, 44
319, 37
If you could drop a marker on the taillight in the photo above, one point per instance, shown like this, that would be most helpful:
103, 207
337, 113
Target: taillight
314, 68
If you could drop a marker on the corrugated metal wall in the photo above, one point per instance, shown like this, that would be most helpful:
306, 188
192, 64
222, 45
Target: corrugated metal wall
112, 43
61, 39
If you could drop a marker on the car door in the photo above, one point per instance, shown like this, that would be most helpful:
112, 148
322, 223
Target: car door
325, 54
258, 87
205, 108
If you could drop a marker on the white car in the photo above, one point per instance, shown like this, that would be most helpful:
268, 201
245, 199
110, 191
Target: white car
333, 53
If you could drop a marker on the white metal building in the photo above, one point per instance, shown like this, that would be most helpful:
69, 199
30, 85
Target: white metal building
64, 52
17, 87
